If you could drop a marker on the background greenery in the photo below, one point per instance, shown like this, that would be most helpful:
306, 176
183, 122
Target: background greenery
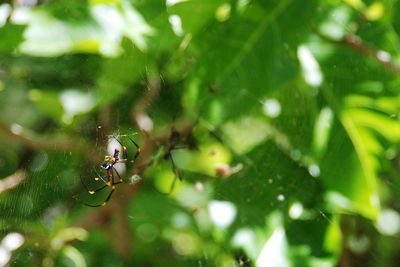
288, 120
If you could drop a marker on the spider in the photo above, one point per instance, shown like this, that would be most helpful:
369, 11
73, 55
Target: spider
108, 167
175, 142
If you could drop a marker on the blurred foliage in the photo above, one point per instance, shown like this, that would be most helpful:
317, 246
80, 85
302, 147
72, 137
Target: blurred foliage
269, 132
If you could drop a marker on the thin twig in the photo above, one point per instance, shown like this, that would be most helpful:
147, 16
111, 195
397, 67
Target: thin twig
139, 111
58, 145
120, 232
355, 42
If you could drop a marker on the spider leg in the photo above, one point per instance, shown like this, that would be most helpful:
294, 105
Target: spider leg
97, 190
105, 201
181, 147
172, 186
92, 191
177, 174
119, 176
99, 177
126, 150
175, 169
123, 147
137, 150
112, 183
112, 176
109, 183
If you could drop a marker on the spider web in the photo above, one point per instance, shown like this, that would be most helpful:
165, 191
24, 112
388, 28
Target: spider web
241, 79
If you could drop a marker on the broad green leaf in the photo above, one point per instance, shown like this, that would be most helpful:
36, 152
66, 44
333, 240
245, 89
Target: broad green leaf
10, 37
195, 14
101, 32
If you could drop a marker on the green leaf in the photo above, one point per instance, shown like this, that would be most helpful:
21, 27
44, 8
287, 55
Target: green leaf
48, 36
10, 37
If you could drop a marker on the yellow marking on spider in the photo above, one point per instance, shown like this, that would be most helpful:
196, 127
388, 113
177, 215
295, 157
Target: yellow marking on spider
96, 178
91, 192
104, 203
113, 187
120, 180
138, 150
124, 147
108, 184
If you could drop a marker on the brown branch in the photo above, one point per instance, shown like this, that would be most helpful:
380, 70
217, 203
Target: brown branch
122, 231
52, 144
139, 114
119, 234
355, 42
105, 123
